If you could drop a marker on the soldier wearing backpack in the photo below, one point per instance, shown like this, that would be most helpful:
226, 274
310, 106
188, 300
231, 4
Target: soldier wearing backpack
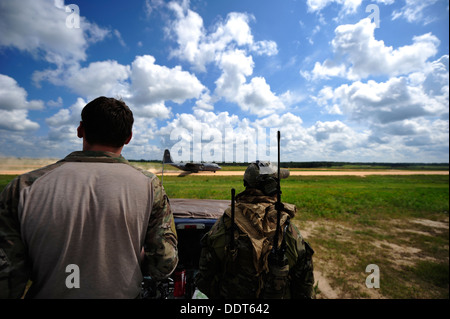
237, 259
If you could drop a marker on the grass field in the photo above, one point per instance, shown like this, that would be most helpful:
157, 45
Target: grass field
399, 223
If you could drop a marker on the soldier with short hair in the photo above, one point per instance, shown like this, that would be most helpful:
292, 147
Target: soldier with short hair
91, 212
247, 269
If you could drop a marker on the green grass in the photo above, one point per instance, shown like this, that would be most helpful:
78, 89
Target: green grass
363, 199
353, 197
362, 211
203, 187
5, 179
358, 221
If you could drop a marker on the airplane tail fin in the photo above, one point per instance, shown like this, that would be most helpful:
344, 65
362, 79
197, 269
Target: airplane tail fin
167, 158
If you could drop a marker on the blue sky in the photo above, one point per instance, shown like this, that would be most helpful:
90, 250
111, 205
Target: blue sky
343, 80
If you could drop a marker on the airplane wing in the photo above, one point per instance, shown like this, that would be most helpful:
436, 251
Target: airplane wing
194, 167
190, 167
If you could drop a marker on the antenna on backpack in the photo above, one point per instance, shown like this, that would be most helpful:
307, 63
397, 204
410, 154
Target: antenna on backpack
276, 283
278, 205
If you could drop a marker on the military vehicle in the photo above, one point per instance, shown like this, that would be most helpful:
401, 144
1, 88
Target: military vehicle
193, 218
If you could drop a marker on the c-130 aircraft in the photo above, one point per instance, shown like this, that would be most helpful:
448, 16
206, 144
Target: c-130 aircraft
194, 167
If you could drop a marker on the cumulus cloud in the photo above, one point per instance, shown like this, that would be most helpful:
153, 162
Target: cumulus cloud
413, 10
359, 55
230, 138
63, 124
209, 136
39, 28
229, 45
152, 85
13, 97
144, 84
384, 102
199, 47
16, 120
106, 78
14, 106
404, 114
420, 94
348, 6
140, 146
256, 96
400, 115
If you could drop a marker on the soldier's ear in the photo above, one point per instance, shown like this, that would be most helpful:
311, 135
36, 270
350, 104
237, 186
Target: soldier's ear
80, 130
128, 139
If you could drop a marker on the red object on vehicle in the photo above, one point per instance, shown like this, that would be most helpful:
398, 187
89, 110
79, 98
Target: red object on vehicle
179, 279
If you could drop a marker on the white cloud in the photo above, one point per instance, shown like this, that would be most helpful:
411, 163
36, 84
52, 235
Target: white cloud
150, 5
228, 45
336, 141
152, 85
119, 38
256, 96
330, 140
107, 78
326, 70
405, 115
365, 56
235, 66
140, 146
14, 97
16, 120
399, 98
102, 78
400, 116
14, 106
39, 28
224, 133
200, 48
189, 32
264, 47
154, 82
348, 6
413, 10
63, 125
205, 102
236, 28
57, 103
145, 85
413, 139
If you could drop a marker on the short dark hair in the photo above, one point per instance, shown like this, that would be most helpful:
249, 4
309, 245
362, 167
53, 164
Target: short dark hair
107, 121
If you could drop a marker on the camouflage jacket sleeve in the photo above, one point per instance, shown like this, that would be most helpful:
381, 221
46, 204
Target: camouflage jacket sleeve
14, 268
161, 254
301, 272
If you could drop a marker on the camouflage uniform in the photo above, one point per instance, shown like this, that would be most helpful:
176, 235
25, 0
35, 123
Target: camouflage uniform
242, 273
159, 237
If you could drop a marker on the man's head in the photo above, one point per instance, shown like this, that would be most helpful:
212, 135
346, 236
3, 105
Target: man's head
263, 176
107, 122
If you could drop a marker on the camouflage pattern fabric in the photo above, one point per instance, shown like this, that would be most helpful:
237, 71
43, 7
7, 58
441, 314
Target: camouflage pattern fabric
241, 273
161, 256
